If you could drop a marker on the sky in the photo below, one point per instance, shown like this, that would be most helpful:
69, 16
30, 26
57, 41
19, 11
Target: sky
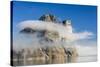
83, 17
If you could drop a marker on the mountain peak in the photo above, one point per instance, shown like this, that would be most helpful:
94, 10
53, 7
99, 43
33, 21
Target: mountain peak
48, 18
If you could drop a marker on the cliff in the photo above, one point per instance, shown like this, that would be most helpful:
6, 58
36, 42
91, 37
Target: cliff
47, 55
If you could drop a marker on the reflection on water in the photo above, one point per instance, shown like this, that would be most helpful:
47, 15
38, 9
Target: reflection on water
32, 61
38, 61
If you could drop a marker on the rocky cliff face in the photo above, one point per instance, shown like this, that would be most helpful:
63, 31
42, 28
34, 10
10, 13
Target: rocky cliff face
48, 55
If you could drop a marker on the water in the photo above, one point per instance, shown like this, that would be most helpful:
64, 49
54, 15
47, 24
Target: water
87, 59
79, 59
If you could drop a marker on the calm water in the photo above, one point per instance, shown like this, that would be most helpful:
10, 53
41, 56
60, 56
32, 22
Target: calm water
87, 58
78, 60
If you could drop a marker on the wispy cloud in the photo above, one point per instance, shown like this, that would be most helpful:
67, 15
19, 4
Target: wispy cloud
83, 35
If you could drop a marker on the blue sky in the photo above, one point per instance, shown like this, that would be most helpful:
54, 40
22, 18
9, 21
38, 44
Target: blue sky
83, 17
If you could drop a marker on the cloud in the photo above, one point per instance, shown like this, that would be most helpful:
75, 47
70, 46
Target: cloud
40, 25
85, 48
83, 35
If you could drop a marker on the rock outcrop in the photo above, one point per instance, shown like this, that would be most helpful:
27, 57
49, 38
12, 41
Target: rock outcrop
48, 18
48, 55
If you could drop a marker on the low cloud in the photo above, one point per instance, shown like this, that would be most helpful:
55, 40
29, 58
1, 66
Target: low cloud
40, 25
24, 41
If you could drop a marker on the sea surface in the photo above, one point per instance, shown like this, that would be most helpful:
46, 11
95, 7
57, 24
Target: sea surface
92, 58
79, 59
